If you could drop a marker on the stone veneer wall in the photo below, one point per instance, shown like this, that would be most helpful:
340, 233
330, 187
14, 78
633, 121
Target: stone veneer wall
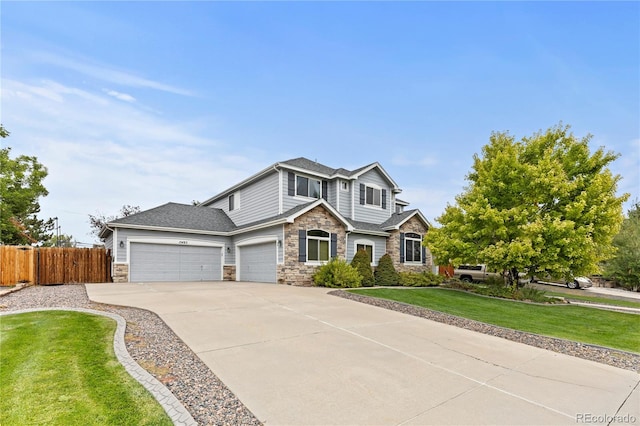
393, 247
229, 272
293, 272
120, 273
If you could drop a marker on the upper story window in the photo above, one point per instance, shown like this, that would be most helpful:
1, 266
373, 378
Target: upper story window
306, 187
234, 202
413, 247
318, 246
374, 196
344, 185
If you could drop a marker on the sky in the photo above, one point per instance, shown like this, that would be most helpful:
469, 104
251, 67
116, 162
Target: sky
144, 103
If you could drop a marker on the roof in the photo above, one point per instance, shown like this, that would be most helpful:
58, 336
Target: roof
397, 219
179, 216
305, 165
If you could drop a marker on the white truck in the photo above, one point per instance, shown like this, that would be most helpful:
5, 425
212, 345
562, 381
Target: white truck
470, 273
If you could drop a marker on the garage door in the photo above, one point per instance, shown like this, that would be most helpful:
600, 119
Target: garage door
258, 263
165, 262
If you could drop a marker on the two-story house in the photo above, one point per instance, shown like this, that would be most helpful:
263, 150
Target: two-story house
276, 226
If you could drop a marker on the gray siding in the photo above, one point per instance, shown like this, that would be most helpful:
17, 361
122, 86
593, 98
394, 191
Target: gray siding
332, 189
345, 200
277, 231
108, 243
367, 213
257, 201
379, 245
125, 234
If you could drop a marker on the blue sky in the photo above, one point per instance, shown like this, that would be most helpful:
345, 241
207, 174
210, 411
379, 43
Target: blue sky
148, 102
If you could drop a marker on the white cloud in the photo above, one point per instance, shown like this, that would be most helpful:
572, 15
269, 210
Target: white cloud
102, 153
101, 72
122, 96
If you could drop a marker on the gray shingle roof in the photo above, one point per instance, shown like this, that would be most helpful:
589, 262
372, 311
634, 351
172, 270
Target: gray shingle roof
305, 163
182, 216
397, 218
314, 166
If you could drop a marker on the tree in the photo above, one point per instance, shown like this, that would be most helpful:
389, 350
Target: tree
20, 189
385, 272
62, 241
98, 221
544, 205
625, 266
362, 263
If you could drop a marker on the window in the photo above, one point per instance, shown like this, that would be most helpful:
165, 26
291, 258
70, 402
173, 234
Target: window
306, 187
413, 247
344, 185
373, 196
368, 248
317, 246
234, 202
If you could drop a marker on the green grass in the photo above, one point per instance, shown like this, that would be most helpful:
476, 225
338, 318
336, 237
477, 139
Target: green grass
59, 368
595, 299
605, 328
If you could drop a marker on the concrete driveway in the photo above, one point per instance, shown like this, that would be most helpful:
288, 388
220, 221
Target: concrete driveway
297, 356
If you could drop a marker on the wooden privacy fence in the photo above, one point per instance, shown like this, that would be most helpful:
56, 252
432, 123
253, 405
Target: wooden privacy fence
53, 265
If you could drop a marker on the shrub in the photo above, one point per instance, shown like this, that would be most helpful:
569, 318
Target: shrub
456, 284
337, 273
385, 272
361, 262
419, 279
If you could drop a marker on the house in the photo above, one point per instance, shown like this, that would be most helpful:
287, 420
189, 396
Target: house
277, 226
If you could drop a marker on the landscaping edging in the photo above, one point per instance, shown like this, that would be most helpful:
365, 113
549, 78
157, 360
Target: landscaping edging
608, 356
174, 409
155, 347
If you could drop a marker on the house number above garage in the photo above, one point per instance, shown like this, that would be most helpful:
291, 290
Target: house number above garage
183, 242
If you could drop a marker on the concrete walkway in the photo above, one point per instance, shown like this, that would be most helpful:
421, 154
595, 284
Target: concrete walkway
297, 356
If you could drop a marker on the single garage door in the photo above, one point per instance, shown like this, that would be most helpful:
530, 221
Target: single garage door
166, 262
258, 263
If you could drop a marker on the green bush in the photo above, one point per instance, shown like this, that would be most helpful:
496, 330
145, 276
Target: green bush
420, 279
457, 284
362, 264
385, 272
337, 273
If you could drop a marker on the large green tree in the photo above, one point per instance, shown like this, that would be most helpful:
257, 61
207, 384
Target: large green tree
625, 266
20, 189
544, 205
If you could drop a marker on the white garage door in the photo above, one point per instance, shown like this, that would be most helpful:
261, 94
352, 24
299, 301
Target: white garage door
165, 262
258, 263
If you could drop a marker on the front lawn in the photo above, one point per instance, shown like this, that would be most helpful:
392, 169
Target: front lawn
605, 328
59, 368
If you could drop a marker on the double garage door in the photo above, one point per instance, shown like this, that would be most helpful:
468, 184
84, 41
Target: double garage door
257, 262
166, 262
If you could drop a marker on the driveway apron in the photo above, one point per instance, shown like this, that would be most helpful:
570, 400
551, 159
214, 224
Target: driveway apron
298, 356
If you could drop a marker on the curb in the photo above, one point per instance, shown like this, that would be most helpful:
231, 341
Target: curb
174, 409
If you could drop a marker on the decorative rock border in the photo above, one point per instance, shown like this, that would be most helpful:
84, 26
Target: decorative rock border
612, 357
174, 409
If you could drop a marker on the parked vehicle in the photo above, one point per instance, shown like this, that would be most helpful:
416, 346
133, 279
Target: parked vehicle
470, 273
479, 273
575, 283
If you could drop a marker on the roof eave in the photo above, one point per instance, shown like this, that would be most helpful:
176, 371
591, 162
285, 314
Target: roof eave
168, 229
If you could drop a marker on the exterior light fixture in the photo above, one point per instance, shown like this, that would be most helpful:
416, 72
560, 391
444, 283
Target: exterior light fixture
121, 244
